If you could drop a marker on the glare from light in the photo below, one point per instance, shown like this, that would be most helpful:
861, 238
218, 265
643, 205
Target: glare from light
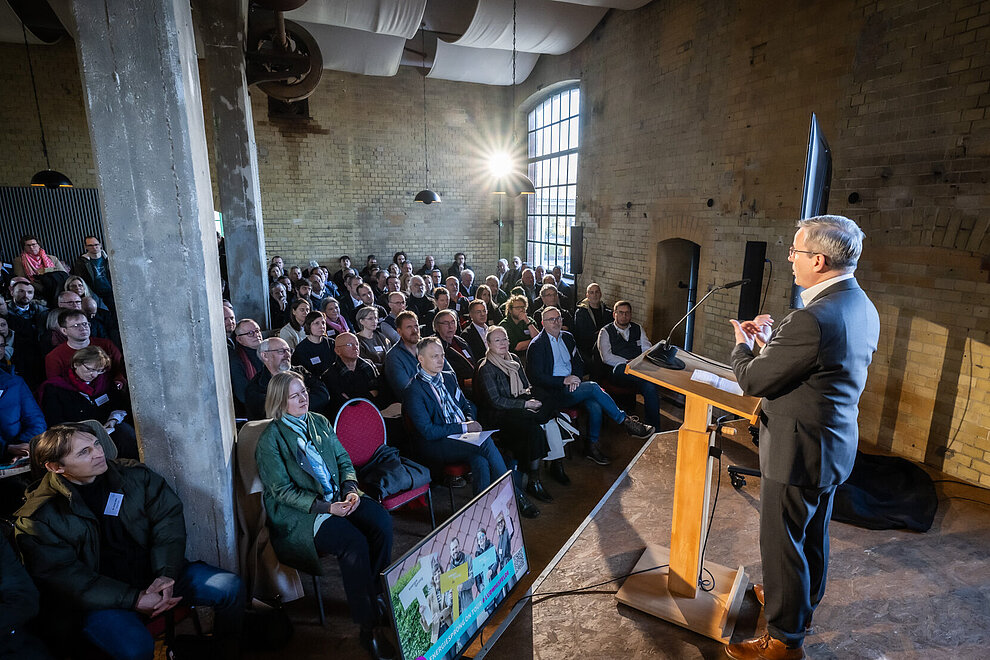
500, 164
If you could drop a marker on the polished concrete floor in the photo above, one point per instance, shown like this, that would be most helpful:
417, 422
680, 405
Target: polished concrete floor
891, 594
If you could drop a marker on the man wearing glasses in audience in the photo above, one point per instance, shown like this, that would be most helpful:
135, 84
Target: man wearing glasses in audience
74, 325
276, 356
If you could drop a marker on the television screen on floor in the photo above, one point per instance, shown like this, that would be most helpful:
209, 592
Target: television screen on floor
444, 590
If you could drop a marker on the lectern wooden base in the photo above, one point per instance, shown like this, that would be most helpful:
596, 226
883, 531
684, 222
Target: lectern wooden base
710, 613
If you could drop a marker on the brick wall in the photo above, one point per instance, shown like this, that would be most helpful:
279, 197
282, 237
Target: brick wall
686, 102
683, 102
345, 181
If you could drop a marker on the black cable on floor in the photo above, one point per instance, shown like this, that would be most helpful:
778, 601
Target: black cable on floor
767, 287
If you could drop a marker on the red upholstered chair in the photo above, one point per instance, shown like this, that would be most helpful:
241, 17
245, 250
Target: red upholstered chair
451, 471
361, 429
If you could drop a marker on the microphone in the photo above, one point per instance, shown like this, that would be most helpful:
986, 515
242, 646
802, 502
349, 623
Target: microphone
663, 354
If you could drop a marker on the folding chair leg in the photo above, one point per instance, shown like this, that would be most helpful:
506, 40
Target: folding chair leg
319, 599
429, 502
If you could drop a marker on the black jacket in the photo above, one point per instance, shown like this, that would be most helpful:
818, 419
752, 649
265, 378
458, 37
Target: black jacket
254, 397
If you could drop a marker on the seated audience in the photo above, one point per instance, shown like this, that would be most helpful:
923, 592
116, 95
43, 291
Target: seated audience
24, 307
460, 263
467, 285
20, 417
501, 268
102, 323
618, 343
276, 355
303, 291
401, 361
93, 266
317, 289
51, 336
278, 261
338, 277
34, 263
6, 347
351, 376
475, 331
565, 290
456, 301
314, 353
485, 295
229, 321
527, 282
437, 408
370, 266
508, 402
336, 323
351, 301
374, 343
105, 541
590, 317
555, 365
278, 305
550, 298
78, 285
244, 361
435, 279
293, 331
428, 265
295, 274
367, 296
499, 295
86, 393
418, 302
513, 275
274, 272
315, 509
399, 258
455, 349
520, 328
76, 328
396, 305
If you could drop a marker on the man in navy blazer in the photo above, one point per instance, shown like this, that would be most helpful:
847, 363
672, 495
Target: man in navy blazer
437, 413
554, 363
811, 372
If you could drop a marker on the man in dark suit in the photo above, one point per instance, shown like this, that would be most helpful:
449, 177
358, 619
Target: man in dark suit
554, 363
476, 330
810, 372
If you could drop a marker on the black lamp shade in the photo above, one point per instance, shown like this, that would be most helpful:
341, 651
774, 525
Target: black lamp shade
50, 179
514, 184
427, 196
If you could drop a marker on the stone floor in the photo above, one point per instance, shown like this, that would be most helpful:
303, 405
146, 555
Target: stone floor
891, 594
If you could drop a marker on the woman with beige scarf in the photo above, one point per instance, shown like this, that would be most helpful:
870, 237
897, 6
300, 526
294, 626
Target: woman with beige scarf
508, 402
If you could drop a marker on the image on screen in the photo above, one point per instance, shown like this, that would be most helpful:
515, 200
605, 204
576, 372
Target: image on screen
445, 589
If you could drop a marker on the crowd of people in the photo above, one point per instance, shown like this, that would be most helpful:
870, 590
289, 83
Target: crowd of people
454, 352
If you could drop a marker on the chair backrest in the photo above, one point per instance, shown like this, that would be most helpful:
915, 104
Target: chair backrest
361, 429
247, 441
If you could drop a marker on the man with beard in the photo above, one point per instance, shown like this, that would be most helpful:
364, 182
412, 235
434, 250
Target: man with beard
276, 356
418, 302
278, 305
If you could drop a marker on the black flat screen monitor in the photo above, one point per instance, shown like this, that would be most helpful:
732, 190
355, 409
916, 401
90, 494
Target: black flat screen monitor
817, 185
444, 590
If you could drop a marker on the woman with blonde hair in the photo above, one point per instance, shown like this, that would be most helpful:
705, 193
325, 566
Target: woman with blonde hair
78, 285
314, 506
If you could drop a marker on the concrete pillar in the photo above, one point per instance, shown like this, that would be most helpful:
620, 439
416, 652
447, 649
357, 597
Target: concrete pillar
143, 104
224, 27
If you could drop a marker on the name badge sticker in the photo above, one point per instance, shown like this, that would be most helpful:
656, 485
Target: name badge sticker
101, 400
113, 504
314, 360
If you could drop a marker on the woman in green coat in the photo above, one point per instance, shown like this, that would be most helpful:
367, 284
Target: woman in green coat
314, 506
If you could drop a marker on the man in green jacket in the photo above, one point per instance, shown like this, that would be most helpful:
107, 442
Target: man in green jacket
105, 542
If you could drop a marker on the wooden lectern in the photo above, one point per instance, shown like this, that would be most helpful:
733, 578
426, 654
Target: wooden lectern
673, 594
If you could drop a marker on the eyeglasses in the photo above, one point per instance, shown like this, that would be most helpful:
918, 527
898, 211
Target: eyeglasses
93, 370
249, 332
349, 344
551, 319
791, 251
281, 351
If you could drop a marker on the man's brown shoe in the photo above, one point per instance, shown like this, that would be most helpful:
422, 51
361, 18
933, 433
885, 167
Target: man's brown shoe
758, 592
763, 648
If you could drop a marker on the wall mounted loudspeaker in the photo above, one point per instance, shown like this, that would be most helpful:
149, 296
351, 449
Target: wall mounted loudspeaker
749, 294
577, 250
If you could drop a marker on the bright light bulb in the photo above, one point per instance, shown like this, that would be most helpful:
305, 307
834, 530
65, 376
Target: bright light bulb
500, 164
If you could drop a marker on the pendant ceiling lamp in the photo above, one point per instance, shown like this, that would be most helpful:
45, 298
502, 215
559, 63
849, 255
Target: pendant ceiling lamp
47, 178
514, 183
426, 196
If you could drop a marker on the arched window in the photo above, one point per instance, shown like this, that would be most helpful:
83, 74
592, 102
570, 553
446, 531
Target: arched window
553, 166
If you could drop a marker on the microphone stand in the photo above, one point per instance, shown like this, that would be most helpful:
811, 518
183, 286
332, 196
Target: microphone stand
664, 354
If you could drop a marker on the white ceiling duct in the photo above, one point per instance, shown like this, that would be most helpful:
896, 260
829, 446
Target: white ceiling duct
610, 4
542, 26
398, 18
488, 66
357, 51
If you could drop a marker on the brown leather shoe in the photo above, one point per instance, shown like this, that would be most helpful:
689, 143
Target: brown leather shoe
758, 592
763, 648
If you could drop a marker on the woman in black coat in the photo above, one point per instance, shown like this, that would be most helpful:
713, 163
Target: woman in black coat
86, 392
509, 403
